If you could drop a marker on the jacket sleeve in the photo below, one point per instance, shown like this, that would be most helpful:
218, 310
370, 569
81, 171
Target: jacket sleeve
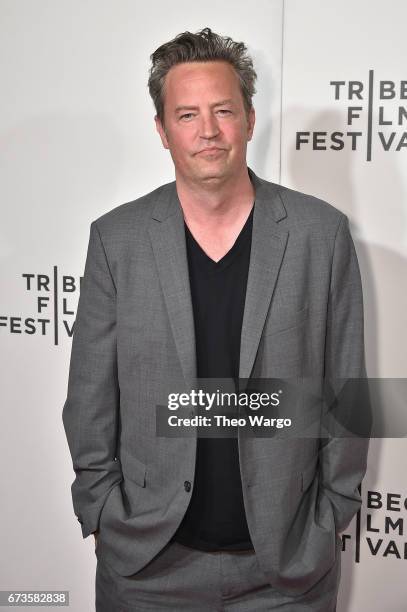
344, 442
91, 410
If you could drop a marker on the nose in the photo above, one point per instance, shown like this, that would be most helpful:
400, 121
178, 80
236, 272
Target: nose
209, 127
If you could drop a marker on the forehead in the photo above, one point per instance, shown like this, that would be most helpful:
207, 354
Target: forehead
194, 79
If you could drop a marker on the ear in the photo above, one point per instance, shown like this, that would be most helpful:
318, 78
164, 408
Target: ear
251, 120
160, 129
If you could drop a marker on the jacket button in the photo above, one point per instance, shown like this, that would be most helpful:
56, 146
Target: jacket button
187, 485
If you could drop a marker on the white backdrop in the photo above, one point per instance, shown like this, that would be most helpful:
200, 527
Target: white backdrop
78, 138
356, 41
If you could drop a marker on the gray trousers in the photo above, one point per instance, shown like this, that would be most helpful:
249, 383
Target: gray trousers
182, 578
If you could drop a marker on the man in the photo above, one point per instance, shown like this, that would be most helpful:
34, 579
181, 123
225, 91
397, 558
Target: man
218, 275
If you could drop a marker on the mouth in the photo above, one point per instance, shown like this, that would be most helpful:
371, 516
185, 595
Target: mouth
211, 151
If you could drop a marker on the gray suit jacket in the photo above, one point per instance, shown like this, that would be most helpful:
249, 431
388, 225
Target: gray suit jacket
133, 343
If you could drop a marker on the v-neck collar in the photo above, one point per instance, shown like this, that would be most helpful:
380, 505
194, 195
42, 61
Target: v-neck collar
210, 263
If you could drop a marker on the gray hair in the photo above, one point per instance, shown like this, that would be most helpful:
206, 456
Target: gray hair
204, 46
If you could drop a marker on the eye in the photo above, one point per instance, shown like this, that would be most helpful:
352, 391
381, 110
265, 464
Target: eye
224, 110
187, 116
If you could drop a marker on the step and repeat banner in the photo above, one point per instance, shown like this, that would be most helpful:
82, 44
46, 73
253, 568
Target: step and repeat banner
78, 138
344, 139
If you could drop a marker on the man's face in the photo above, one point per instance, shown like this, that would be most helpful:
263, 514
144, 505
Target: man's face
206, 126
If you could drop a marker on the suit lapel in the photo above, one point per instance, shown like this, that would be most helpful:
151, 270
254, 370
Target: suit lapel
267, 251
167, 236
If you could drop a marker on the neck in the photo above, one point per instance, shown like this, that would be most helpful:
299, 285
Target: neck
217, 203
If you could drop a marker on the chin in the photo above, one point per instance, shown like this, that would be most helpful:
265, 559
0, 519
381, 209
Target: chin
214, 172
212, 176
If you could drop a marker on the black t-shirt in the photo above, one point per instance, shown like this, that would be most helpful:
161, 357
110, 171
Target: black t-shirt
215, 518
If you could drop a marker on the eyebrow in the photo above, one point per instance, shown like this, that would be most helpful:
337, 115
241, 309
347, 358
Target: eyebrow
222, 102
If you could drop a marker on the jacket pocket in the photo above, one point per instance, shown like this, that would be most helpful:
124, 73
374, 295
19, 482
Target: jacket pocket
281, 320
133, 468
